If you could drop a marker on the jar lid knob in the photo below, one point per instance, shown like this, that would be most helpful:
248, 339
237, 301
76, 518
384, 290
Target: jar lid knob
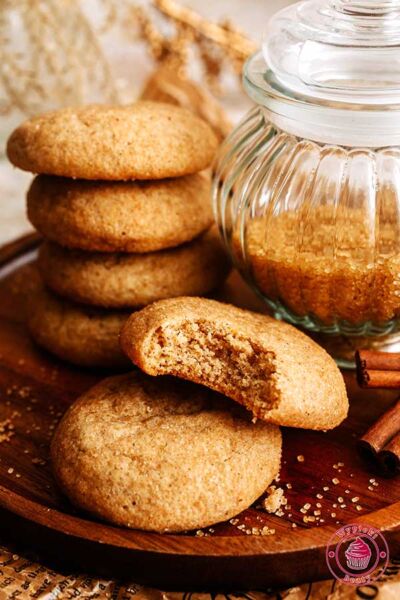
341, 50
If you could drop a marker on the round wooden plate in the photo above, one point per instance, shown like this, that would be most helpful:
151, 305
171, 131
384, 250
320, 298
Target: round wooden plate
36, 389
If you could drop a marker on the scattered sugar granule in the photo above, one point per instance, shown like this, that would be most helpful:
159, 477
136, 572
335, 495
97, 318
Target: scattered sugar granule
317, 513
234, 521
274, 500
358, 507
340, 464
308, 519
335, 481
326, 488
340, 499
319, 496
267, 531
294, 525
289, 486
6, 430
199, 533
318, 505
300, 458
333, 515
10, 470
355, 499
370, 488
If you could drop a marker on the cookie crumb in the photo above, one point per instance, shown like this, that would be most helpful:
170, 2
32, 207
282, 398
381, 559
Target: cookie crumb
274, 500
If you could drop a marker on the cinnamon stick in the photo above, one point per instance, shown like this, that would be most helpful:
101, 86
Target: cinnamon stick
381, 443
389, 457
378, 369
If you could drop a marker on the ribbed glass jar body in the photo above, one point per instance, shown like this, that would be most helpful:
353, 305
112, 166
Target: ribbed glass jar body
313, 227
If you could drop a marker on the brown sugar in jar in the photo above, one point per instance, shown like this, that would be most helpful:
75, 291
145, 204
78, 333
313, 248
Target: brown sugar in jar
326, 265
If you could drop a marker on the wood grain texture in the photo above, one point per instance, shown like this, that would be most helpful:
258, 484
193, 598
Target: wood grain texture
35, 390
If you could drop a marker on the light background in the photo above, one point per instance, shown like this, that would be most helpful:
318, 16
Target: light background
131, 63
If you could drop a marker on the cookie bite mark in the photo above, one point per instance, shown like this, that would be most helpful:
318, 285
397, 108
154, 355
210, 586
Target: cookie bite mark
221, 359
270, 367
274, 370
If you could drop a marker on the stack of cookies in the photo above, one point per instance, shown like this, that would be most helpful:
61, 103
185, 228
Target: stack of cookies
123, 203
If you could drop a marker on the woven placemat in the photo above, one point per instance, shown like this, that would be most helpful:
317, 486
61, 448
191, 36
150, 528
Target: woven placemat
25, 577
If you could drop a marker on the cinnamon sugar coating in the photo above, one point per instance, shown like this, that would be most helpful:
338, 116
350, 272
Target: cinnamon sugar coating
145, 140
134, 216
85, 336
130, 280
162, 454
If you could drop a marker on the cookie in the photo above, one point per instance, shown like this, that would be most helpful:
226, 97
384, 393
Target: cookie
162, 454
84, 336
120, 216
270, 367
131, 280
146, 140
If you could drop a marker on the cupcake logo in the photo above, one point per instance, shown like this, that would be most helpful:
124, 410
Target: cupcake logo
357, 554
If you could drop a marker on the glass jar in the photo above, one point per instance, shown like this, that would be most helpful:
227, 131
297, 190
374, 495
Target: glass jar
307, 187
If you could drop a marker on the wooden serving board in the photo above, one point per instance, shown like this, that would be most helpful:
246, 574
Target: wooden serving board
36, 389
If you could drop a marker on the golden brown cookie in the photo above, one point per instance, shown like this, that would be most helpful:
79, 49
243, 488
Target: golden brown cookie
130, 280
120, 216
84, 336
146, 140
270, 367
162, 454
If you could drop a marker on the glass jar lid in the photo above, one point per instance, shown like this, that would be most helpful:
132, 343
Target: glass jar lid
337, 49
336, 55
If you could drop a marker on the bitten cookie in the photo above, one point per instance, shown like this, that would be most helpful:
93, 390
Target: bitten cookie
162, 454
146, 140
270, 367
84, 336
121, 216
129, 280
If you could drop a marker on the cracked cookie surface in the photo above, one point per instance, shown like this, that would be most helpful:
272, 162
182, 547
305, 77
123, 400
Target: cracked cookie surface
162, 454
145, 140
129, 216
85, 336
131, 280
